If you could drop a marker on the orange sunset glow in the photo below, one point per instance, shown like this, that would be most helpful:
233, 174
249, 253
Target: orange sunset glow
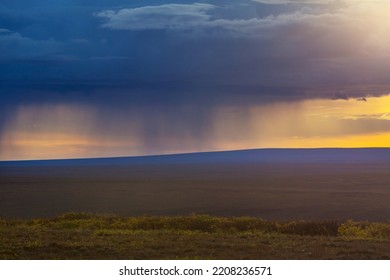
69, 131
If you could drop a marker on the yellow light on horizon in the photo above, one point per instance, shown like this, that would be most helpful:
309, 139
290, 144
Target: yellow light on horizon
312, 123
69, 131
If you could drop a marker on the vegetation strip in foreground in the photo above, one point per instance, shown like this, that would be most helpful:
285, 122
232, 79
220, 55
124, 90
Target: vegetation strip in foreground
90, 236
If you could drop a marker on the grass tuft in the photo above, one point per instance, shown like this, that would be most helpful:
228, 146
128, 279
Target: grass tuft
364, 230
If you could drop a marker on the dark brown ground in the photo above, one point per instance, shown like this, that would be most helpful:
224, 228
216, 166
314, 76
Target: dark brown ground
203, 246
276, 191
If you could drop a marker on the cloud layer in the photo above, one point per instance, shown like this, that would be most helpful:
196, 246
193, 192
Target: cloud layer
172, 16
249, 47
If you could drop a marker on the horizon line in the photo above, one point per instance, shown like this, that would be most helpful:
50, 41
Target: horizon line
190, 153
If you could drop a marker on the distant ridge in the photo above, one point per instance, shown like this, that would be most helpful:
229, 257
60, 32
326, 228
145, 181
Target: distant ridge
320, 155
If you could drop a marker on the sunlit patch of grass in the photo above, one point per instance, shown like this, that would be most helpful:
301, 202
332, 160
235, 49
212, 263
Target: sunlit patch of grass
364, 230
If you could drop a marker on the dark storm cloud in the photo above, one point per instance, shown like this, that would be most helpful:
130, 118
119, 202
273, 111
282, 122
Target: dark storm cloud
169, 52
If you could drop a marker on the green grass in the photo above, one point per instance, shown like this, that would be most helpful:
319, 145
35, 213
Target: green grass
89, 236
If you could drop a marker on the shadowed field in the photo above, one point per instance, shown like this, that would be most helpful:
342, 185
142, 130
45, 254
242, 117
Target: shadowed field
86, 236
277, 185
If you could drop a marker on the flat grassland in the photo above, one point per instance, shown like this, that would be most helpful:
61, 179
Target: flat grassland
307, 198
90, 236
272, 191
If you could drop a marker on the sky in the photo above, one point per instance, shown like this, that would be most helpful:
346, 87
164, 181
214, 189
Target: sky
102, 78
